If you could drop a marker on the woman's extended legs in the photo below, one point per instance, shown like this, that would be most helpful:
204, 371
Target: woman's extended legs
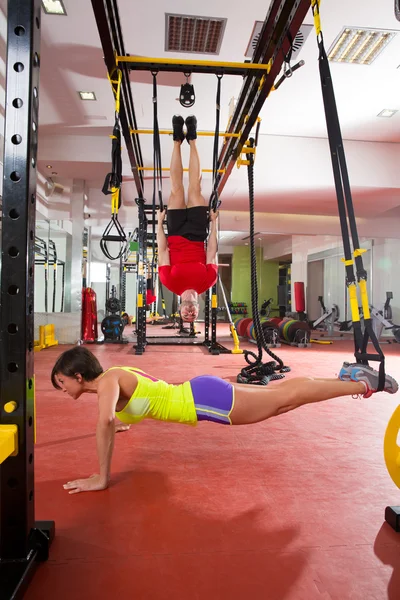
256, 403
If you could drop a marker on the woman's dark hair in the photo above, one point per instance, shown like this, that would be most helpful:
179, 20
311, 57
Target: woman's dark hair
77, 360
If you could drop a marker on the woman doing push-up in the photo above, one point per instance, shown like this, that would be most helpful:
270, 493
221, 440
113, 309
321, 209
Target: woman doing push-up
131, 395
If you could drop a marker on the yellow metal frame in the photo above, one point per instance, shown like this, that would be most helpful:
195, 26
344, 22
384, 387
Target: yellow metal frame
185, 170
198, 63
8, 441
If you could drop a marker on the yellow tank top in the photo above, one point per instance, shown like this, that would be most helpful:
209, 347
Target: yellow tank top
156, 399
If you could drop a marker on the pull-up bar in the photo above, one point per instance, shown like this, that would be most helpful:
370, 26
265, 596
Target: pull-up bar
146, 63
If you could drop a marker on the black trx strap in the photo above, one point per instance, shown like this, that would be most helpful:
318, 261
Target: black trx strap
157, 189
214, 200
257, 372
346, 210
157, 172
113, 181
112, 185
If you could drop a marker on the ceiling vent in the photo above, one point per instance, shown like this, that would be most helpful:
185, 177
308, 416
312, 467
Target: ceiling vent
198, 35
360, 46
298, 42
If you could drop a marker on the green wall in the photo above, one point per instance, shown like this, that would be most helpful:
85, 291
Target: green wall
267, 277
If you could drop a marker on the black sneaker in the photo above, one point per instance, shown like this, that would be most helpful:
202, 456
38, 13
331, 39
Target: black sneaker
191, 128
177, 125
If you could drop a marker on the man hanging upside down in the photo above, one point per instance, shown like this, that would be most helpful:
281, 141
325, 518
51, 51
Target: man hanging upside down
131, 395
185, 266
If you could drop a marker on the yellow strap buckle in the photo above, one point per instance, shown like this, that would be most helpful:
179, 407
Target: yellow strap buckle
359, 252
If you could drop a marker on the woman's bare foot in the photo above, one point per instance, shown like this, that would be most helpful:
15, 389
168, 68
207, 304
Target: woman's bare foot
121, 427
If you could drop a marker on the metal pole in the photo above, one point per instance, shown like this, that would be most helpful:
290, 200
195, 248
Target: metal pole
22, 541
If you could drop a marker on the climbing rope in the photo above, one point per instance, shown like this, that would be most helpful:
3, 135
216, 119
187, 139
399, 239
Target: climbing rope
257, 372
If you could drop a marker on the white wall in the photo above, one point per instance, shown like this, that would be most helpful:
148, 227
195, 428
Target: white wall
385, 278
380, 262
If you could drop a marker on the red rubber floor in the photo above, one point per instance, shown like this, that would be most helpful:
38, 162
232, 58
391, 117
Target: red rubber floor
289, 509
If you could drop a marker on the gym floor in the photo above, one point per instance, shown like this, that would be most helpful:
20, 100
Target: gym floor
289, 509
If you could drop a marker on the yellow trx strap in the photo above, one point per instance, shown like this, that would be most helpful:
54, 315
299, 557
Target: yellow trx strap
317, 19
116, 87
115, 200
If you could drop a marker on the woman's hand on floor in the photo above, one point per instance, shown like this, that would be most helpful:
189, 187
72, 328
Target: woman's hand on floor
94, 483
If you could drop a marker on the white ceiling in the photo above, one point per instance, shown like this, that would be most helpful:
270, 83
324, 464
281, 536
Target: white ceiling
71, 60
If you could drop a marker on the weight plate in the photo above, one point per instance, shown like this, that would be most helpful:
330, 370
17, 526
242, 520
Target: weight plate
391, 449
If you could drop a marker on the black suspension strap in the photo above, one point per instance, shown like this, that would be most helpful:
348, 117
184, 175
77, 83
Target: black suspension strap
114, 231
214, 200
257, 372
157, 169
346, 211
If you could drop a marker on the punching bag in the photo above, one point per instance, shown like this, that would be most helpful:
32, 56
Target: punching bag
89, 315
299, 297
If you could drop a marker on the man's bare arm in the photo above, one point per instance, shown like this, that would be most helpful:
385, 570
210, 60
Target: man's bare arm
212, 244
162, 244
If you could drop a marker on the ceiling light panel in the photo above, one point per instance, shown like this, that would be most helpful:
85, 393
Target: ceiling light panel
87, 95
359, 46
189, 33
53, 7
387, 113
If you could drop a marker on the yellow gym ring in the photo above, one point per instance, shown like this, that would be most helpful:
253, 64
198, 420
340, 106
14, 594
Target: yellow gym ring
391, 449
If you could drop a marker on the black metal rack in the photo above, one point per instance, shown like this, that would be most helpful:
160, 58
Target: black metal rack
23, 542
141, 326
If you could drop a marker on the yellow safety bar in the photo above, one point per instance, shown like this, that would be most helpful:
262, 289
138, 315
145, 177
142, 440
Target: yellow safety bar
198, 63
8, 441
236, 349
167, 169
245, 150
199, 133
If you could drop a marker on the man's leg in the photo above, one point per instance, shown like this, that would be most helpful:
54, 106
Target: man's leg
195, 197
177, 197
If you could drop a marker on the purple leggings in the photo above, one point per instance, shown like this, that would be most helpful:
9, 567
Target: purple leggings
213, 399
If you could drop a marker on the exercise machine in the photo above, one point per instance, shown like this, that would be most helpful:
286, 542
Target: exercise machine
382, 320
328, 318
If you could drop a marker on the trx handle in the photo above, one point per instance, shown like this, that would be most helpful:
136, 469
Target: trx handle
112, 185
347, 216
